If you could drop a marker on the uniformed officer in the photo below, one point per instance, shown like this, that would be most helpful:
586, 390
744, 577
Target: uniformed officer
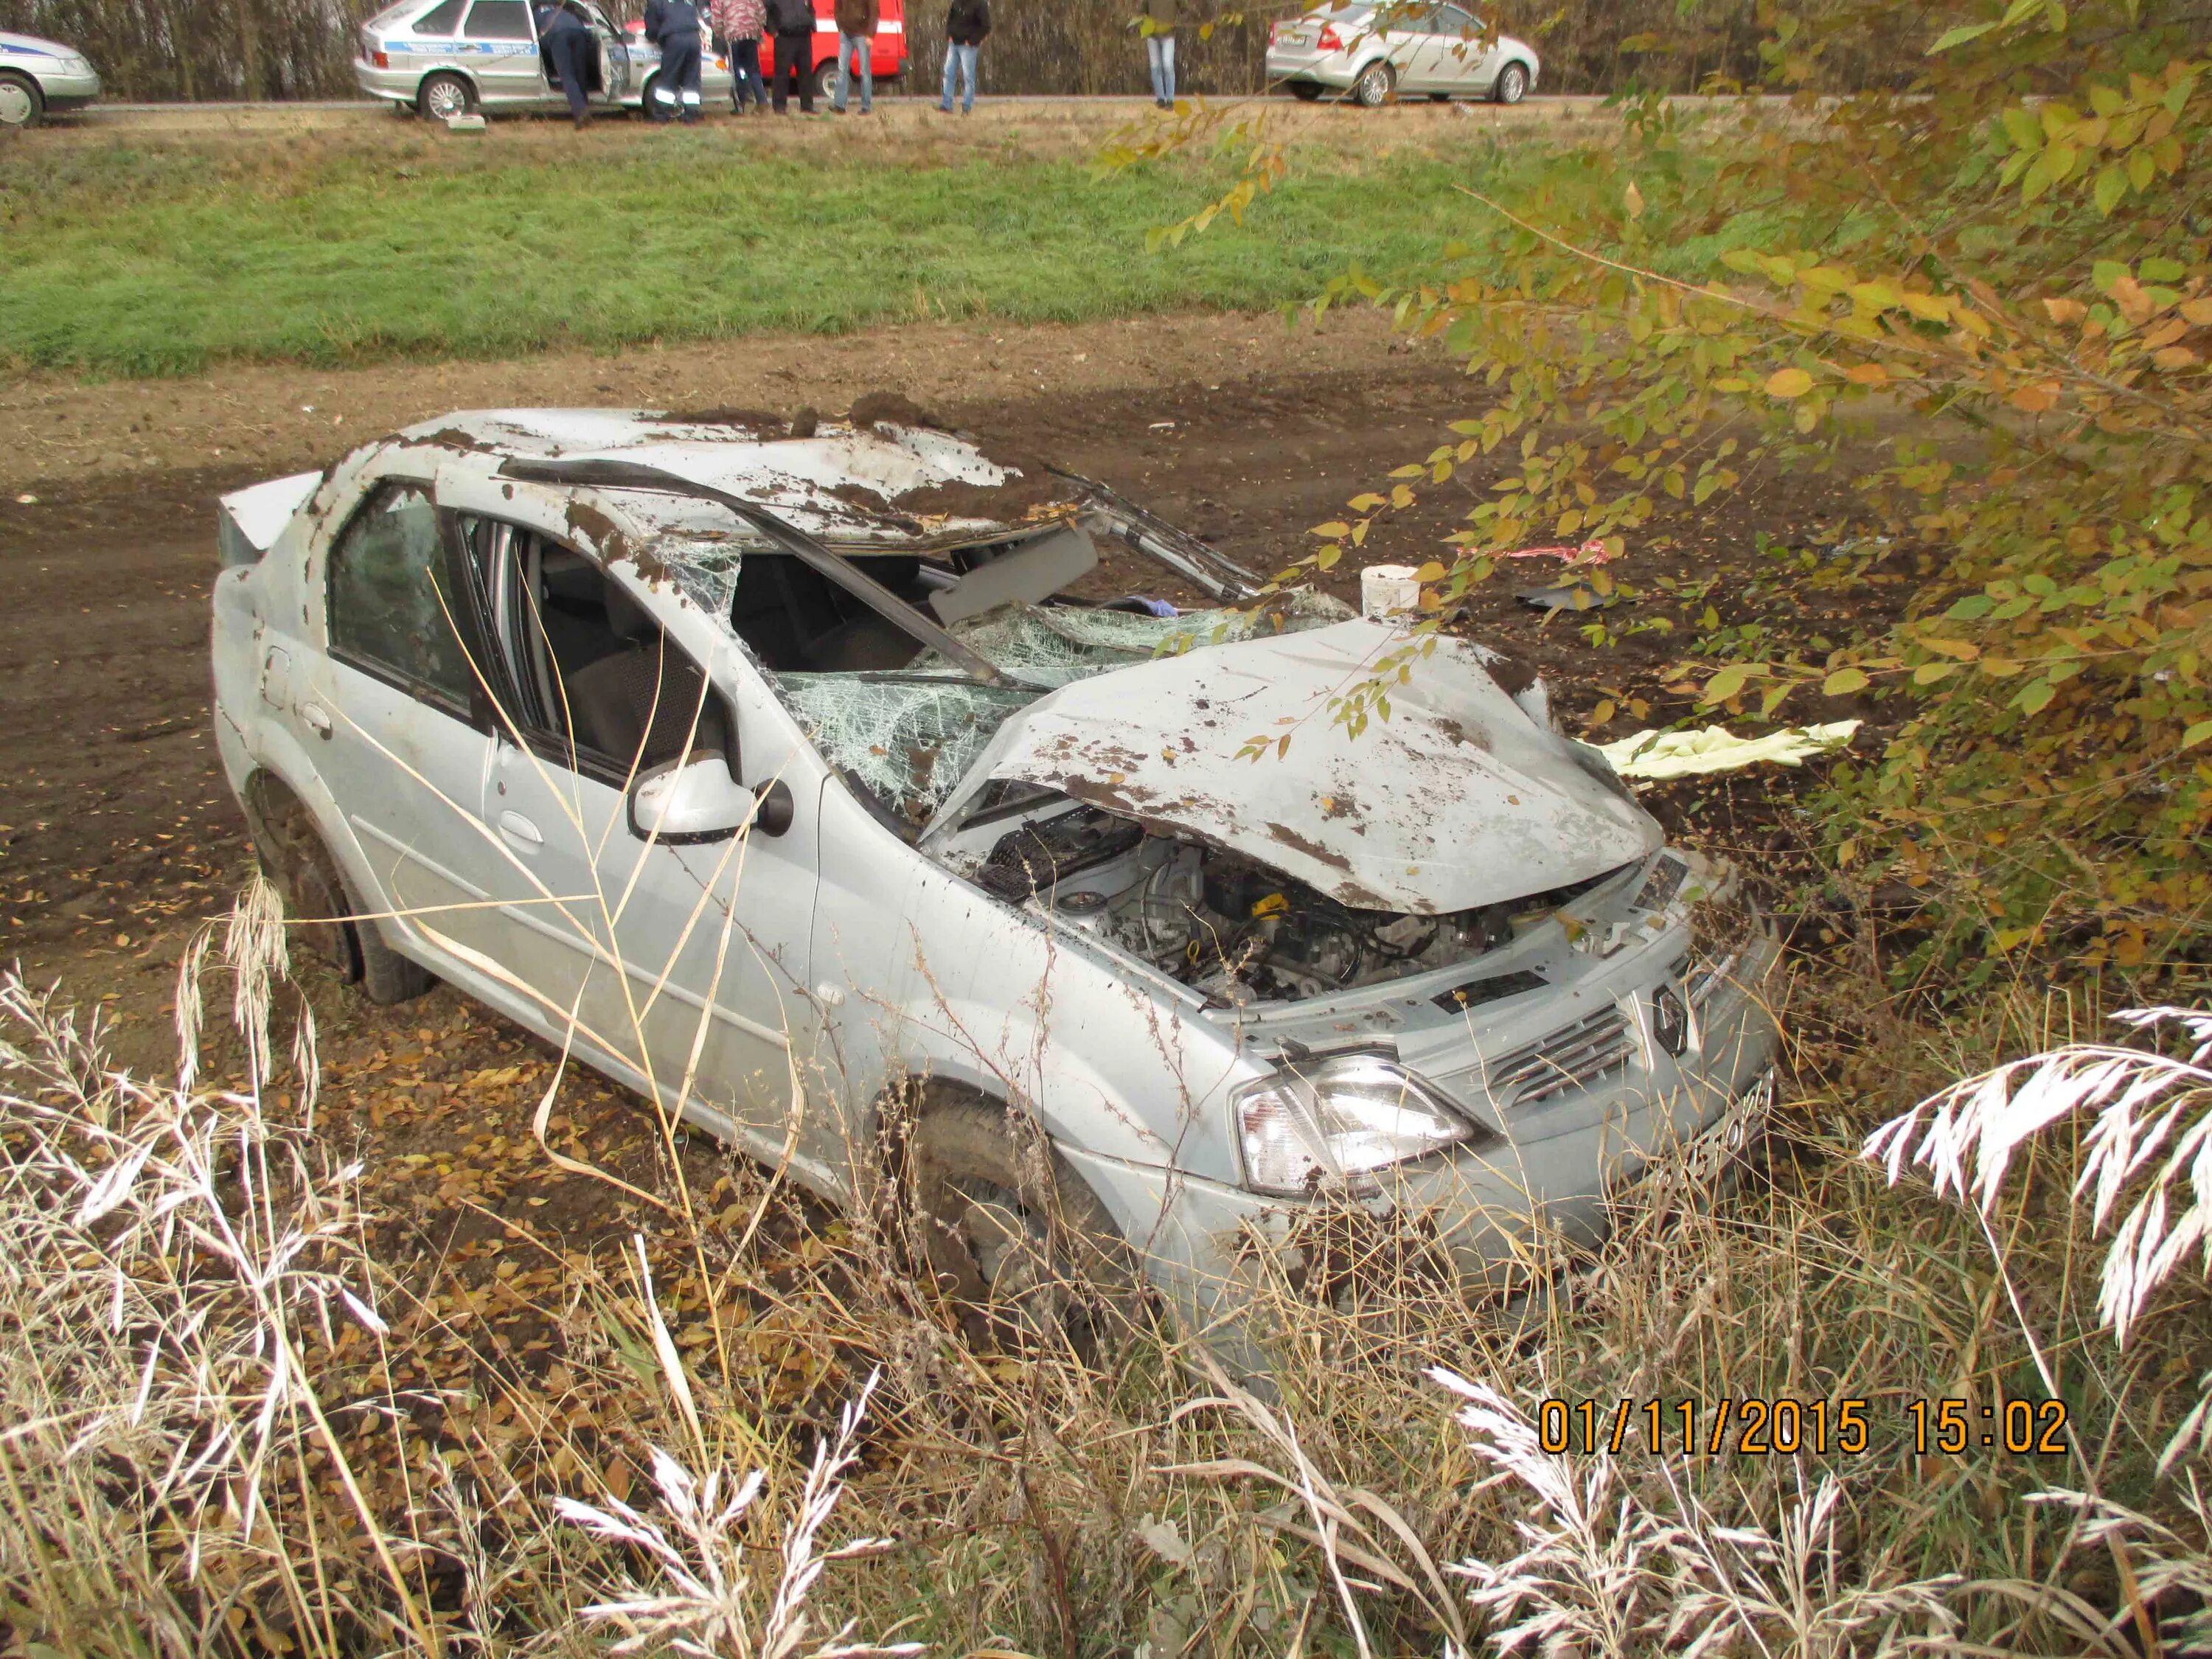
569, 41
673, 26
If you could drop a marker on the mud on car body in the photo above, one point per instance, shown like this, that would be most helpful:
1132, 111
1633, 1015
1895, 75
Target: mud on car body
783, 776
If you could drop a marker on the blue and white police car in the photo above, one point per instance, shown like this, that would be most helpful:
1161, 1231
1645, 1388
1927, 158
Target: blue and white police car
38, 76
448, 57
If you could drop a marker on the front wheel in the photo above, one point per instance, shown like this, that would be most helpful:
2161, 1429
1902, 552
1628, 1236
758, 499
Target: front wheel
22, 105
1009, 1233
444, 96
1512, 84
1373, 87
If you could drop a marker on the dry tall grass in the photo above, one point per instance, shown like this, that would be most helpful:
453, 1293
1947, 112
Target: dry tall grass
215, 1441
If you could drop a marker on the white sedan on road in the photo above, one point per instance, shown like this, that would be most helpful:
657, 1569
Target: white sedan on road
37, 75
1371, 52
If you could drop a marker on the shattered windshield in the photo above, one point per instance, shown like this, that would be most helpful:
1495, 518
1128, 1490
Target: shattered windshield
911, 735
902, 719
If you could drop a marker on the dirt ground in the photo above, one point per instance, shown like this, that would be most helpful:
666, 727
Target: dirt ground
119, 836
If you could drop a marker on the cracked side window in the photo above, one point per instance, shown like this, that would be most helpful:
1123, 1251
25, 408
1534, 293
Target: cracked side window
389, 610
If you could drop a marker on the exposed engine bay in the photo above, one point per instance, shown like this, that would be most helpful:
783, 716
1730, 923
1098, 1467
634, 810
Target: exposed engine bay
1232, 929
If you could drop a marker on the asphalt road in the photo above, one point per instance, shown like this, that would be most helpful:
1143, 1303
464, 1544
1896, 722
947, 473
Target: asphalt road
332, 112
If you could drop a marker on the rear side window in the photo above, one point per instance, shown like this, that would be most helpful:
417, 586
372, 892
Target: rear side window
444, 18
390, 610
500, 20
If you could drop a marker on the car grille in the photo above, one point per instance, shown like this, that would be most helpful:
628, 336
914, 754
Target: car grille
1568, 1058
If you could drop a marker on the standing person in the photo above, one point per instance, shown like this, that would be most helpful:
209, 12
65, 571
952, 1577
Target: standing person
856, 32
793, 20
965, 25
673, 26
570, 43
1158, 19
739, 22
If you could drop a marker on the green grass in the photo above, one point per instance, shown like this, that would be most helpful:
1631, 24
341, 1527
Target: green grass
120, 262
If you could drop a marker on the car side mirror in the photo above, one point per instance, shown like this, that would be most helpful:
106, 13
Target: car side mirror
689, 800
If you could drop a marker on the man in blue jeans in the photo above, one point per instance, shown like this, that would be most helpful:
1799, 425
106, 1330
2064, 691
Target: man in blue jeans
856, 34
1159, 18
965, 25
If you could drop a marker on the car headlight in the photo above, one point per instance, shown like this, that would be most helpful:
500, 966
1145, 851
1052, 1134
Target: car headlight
1333, 1122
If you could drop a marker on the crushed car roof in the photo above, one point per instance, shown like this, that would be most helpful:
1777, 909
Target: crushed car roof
883, 478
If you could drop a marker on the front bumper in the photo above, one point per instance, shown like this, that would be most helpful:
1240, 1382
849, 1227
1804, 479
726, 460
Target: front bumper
69, 90
1498, 1213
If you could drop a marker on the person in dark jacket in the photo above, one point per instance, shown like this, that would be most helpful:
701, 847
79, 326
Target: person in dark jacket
673, 26
792, 24
965, 25
856, 38
571, 46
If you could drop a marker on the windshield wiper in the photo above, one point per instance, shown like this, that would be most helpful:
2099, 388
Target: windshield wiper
785, 536
1177, 549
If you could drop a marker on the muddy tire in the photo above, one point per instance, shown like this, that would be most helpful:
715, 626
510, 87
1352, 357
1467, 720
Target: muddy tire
1009, 1234
318, 901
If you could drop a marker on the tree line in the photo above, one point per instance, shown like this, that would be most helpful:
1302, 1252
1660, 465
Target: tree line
162, 50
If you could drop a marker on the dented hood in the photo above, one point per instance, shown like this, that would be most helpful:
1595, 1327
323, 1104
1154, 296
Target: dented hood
1458, 799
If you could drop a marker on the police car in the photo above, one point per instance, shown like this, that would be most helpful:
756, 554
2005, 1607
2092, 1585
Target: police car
448, 57
37, 75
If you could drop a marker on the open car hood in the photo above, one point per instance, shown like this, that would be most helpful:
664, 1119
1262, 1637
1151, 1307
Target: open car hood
1459, 800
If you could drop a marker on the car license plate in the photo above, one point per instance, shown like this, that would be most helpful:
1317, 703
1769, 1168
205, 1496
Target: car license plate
1699, 1162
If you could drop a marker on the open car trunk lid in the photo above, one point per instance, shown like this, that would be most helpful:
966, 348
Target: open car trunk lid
1459, 800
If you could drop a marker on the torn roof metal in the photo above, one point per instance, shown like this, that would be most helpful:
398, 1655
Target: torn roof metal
842, 483
1459, 800
261, 511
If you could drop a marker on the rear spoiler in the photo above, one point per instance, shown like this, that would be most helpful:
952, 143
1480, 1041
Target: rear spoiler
247, 522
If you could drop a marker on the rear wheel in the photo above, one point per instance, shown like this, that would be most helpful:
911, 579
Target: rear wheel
1305, 91
328, 916
1373, 87
1512, 84
1007, 1232
1440, 98
21, 104
443, 96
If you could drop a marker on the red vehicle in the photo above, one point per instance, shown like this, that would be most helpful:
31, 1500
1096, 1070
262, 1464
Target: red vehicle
887, 60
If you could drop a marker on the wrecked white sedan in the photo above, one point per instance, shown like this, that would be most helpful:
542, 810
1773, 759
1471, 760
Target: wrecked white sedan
786, 775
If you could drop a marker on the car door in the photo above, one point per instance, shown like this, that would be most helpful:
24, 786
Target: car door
680, 966
500, 38
397, 722
1410, 43
1462, 64
614, 57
